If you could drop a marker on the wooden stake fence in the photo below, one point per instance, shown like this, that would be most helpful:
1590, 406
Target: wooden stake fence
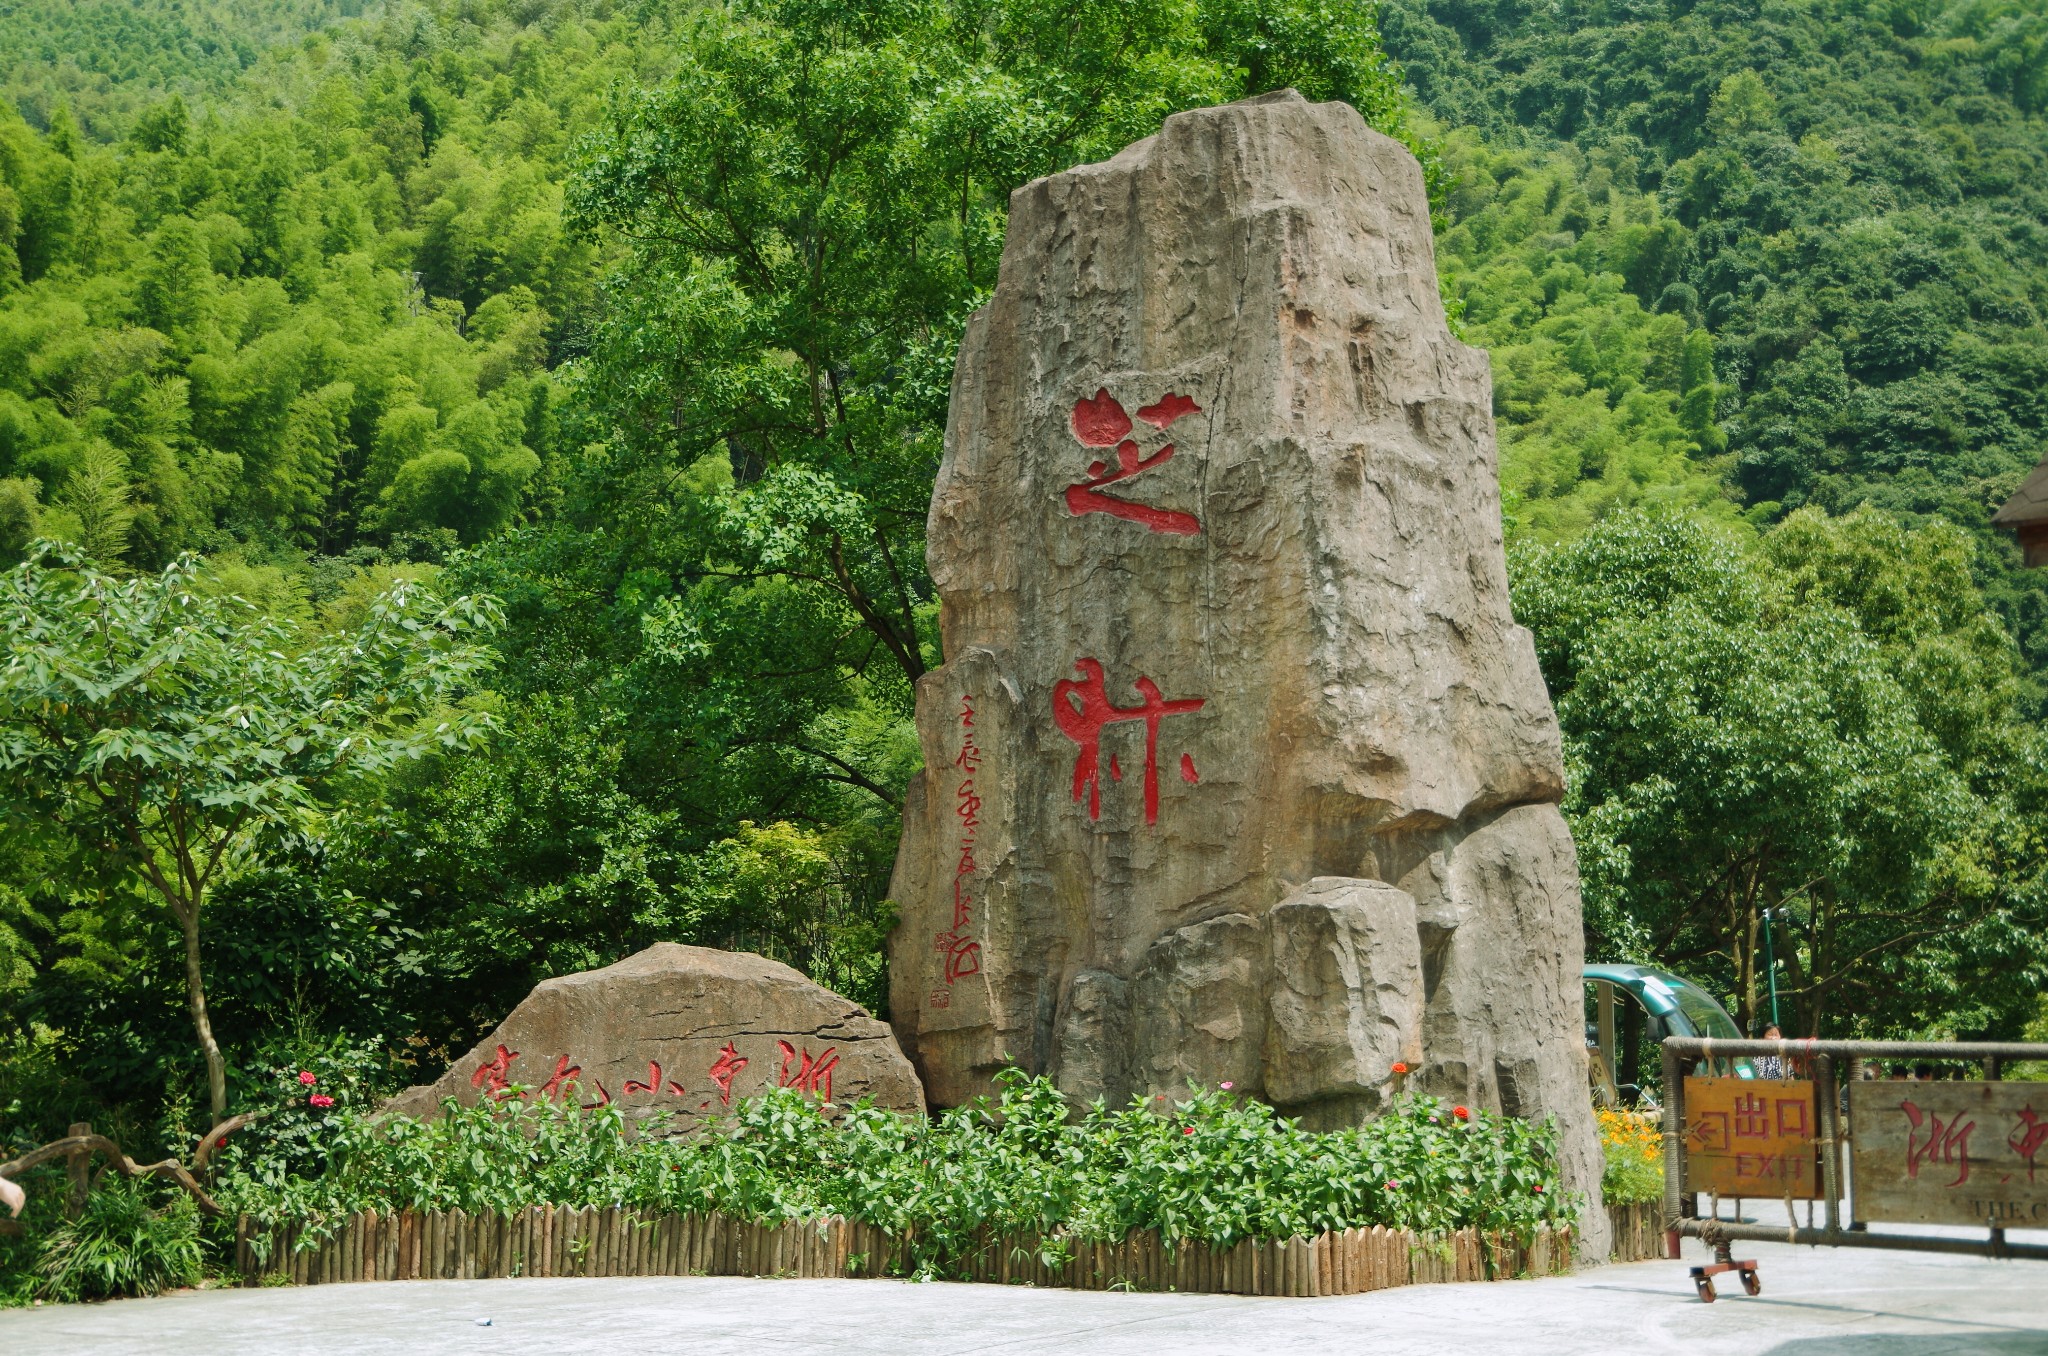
620, 1241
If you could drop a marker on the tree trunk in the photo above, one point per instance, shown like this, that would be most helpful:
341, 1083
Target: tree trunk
195, 995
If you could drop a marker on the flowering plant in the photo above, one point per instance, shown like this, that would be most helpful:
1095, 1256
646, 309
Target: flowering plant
1635, 1160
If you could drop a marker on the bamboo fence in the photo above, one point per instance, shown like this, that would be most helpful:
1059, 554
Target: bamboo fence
621, 1241
1638, 1231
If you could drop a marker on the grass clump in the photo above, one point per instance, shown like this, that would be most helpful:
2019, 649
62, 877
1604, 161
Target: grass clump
120, 1247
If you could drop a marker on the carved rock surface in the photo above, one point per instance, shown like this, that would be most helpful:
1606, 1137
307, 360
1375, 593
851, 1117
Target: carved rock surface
1239, 767
684, 1030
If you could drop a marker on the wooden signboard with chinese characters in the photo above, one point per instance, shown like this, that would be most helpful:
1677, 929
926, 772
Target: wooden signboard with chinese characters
1950, 1153
1752, 1137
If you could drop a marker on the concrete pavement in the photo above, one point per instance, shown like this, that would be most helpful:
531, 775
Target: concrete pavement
1814, 1303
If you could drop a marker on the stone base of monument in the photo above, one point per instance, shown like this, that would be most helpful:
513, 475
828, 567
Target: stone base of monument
617, 1241
681, 1032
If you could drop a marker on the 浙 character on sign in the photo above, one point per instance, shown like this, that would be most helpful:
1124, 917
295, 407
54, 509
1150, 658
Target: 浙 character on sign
1948, 1145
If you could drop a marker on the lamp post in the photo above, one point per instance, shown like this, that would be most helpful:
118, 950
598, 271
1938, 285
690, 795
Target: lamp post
1771, 968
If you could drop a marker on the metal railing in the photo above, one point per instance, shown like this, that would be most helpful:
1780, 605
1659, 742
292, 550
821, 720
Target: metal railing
1994, 1055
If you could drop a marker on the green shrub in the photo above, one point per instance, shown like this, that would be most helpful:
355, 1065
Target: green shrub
1215, 1168
119, 1246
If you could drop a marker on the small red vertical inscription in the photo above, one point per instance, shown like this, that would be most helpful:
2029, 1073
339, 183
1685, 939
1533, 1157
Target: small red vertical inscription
962, 953
1101, 422
1082, 708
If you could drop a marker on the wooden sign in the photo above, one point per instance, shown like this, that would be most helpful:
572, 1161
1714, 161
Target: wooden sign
1752, 1137
1950, 1153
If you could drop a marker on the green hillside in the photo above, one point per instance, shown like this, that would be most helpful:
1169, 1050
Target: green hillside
1849, 197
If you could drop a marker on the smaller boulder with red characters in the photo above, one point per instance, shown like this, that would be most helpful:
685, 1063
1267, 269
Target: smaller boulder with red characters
682, 1030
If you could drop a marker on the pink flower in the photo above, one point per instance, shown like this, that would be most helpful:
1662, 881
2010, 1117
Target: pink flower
306, 1078
1393, 1186
1227, 1085
321, 1100
1461, 1113
1187, 1129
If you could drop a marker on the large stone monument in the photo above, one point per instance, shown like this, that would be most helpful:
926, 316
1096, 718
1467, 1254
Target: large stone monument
683, 1031
1238, 768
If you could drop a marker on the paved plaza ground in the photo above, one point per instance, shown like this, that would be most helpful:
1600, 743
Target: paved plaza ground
1814, 1303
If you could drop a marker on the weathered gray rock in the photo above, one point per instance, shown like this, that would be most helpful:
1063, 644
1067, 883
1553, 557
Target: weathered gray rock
679, 1029
1239, 768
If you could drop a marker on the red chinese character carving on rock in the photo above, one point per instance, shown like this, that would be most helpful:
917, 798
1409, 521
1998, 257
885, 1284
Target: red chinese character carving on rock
726, 1068
653, 1083
1082, 708
1101, 422
812, 1075
565, 1077
496, 1073
956, 944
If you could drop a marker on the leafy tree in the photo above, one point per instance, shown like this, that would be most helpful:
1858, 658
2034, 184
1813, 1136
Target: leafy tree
1831, 740
176, 733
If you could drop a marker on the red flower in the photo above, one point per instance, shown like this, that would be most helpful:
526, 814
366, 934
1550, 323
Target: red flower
321, 1100
306, 1077
1539, 1188
221, 1143
1461, 1113
1187, 1129
1399, 1067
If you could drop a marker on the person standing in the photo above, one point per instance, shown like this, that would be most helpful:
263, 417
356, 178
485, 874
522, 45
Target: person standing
1770, 1066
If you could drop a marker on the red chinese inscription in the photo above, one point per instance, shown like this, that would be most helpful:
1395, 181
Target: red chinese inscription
1946, 1144
1752, 1117
564, 1078
653, 1083
2028, 1137
496, 1073
812, 1075
724, 1069
956, 944
1101, 422
1082, 709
